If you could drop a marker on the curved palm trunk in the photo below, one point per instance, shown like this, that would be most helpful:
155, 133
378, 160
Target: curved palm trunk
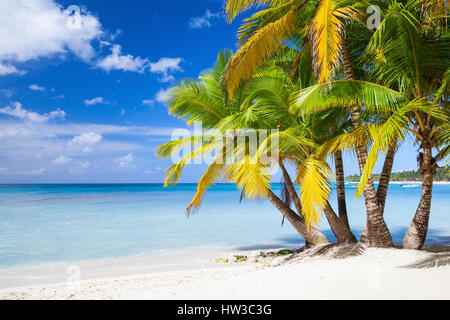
378, 234
340, 229
340, 187
385, 177
417, 231
312, 235
383, 185
290, 187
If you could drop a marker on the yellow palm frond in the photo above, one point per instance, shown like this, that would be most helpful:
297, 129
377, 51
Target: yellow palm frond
265, 43
393, 129
314, 178
211, 175
327, 33
174, 171
253, 178
347, 141
437, 9
234, 7
168, 149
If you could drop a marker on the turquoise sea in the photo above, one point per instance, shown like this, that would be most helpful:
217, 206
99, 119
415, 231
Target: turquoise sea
62, 223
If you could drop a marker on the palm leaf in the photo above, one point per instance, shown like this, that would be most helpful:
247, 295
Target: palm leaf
313, 176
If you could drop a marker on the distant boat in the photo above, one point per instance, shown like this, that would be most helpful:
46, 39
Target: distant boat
410, 185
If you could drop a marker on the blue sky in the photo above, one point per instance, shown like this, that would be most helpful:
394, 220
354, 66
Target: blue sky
83, 100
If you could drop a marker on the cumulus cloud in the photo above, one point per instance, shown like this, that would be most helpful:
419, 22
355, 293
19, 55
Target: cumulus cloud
40, 29
62, 160
37, 29
16, 111
87, 138
162, 96
126, 161
117, 61
94, 101
35, 87
203, 21
6, 69
164, 66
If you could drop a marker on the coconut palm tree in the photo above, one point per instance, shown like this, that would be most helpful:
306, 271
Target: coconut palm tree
321, 24
272, 89
206, 101
411, 52
409, 58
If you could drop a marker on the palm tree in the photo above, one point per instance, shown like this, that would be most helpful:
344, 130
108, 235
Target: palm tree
273, 89
409, 58
323, 23
410, 53
207, 101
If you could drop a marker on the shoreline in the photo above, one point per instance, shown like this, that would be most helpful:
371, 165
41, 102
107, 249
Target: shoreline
405, 182
56, 273
376, 274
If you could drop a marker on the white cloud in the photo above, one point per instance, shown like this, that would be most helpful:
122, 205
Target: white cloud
6, 69
32, 30
41, 29
8, 93
18, 112
117, 61
164, 66
94, 101
62, 160
203, 21
162, 96
3, 170
87, 138
84, 164
148, 102
35, 87
126, 161
34, 172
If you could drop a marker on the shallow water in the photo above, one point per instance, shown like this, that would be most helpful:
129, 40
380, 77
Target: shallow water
63, 223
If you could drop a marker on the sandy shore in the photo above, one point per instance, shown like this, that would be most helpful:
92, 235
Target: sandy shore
377, 274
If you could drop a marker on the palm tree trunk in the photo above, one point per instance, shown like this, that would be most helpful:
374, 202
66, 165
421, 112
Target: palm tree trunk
296, 69
290, 187
417, 231
385, 177
378, 234
340, 187
312, 235
341, 231
383, 185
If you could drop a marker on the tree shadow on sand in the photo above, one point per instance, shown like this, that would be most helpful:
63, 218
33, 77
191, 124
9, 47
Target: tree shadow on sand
440, 247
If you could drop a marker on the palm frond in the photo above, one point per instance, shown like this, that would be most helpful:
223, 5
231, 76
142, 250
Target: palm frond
314, 178
234, 7
265, 43
327, 33
211, 175
345, 93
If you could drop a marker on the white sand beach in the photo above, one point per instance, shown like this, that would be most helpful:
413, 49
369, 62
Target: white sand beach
376, 274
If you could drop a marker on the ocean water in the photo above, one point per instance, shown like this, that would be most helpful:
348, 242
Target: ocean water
62, 223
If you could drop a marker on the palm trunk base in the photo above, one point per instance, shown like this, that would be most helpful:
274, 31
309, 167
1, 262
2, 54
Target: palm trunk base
413, 240
416, 235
